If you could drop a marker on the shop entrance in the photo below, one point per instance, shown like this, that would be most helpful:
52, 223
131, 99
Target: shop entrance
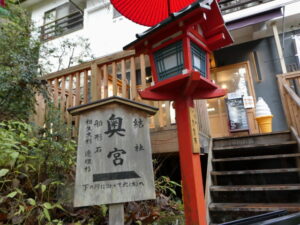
233, 114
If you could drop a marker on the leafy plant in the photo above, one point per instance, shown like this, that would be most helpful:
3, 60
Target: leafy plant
34, 167
19, 68
165, 185
165, 209
24, 59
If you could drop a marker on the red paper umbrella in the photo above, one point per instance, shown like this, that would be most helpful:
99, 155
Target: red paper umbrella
149, 12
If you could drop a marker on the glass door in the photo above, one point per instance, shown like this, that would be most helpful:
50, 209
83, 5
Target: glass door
237, 80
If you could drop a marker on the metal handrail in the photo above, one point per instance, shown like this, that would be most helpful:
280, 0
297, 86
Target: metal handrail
61, 23
71, 14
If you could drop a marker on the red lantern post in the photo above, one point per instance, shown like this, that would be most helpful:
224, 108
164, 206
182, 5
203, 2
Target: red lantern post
191, 175
179, 49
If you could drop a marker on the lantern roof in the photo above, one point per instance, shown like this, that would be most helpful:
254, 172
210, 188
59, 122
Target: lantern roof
205, 13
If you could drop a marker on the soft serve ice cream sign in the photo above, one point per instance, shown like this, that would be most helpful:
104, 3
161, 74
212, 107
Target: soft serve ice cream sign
263, 116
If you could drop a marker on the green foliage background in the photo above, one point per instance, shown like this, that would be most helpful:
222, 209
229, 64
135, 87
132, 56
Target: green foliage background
19, 68
36, 170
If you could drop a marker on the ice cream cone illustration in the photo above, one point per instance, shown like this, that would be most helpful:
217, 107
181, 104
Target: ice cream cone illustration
263, 116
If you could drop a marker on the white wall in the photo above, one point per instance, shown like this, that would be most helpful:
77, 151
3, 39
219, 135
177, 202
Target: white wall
106, 35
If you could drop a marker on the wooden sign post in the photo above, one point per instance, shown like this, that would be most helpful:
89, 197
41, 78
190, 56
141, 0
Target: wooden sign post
114, 157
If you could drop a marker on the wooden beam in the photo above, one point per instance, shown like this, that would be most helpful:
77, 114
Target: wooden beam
95, 82
105, 80
143, 70
63, 96
85, 87
293, 95
77, 93
156, 116
132, 79
70, 98
280, 80
55, 93
124, 80
164, 141
168, 116
114, 79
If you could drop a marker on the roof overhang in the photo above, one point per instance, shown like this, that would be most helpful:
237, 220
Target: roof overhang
207, 14
251, 20
261, 8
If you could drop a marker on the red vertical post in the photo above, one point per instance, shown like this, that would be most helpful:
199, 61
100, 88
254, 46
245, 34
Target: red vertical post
191, 175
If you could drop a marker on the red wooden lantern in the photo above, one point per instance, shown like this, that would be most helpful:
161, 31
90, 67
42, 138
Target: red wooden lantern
179, 49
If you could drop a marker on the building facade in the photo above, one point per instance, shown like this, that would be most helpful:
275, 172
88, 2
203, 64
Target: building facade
262, 31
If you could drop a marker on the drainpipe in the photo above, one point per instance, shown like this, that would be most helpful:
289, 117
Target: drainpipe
279, 48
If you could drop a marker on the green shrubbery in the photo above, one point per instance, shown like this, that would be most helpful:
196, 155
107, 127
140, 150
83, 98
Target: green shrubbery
37, 180
19, 67
34, 167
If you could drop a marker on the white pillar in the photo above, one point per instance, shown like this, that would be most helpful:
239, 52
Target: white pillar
279, 48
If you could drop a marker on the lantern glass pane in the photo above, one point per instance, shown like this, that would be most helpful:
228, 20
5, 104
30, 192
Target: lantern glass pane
196, 61
169, 61
199, 59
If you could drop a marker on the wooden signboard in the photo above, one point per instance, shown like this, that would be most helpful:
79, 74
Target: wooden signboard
114, 157
194, 130
237, 115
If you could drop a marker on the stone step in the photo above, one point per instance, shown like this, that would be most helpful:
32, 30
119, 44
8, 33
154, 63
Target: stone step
254, 207
257, 195
227, 215
273, 163
254, 146
260, 157
286, 177
253, 175
219, 217
278, 187
262, 171
255, 150
275, 137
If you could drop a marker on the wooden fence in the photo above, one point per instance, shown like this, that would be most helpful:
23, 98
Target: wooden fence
289, 85
121, 74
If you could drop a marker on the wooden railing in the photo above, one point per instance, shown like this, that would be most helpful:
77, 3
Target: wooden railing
229, 6
289, 85
121, 74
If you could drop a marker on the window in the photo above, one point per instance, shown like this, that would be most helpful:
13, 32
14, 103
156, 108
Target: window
64, 19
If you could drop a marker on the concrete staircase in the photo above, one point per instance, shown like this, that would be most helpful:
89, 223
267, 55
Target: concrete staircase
253, 175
